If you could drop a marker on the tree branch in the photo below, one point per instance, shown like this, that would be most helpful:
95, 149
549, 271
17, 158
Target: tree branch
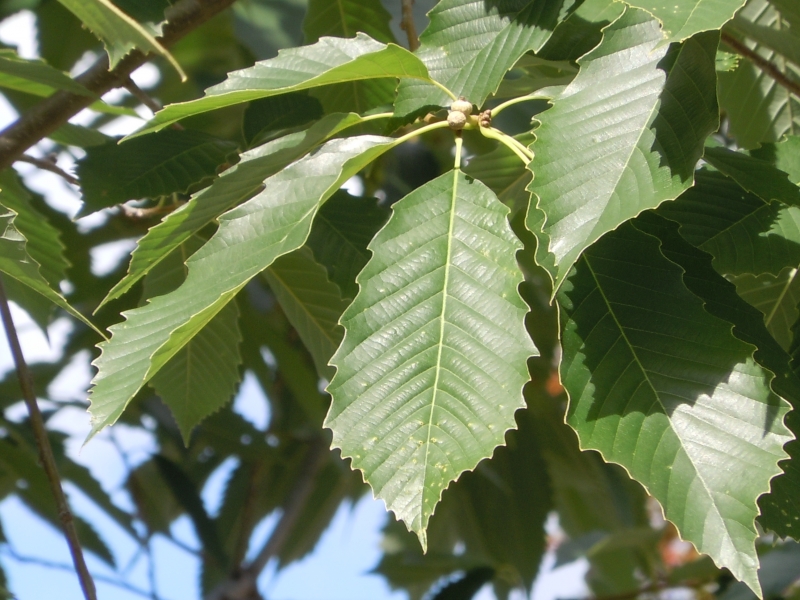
46, 451
62, 567
52, 112
407, 24
48, 165
762, 63
243, 587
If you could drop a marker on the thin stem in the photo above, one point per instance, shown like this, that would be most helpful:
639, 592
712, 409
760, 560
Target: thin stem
762, 63
420, 131
385, 115
45, 450
504, 105
459, 143
48, 165
444, 89
141, 95
521, 151
62, 567
407, 24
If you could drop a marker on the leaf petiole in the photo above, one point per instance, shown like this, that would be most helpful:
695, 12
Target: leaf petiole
421, 130
459, 142
384, 115
501, 107
521, 151
444, 89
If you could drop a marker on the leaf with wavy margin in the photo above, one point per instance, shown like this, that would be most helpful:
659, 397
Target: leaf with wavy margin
470, 44
250, 237
624, 136
329, 61
681, 19
435, 351
663, 388
234, 186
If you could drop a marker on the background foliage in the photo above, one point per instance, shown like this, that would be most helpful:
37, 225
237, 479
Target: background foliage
581, 343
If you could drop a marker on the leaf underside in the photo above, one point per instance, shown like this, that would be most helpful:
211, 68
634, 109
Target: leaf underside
432, 365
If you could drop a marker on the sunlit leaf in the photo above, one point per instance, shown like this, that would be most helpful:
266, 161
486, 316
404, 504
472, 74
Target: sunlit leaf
329, 61
681, 19
623, 137
431, 368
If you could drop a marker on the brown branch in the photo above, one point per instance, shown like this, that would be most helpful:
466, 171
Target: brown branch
243, 587
48, 165
762, 63
407, 24
46, 451
52, 112
142, 96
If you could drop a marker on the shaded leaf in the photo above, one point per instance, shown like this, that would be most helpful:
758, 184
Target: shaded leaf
329, 61
250, 237
470, 44
756, 176
202, 377
186, 494
421, 357
167, 162
342, 229
777, 297
119, 33
465, 587
35, 76
582, 30
758, 108
632, 398
235, 185
16, 262
623, 137
744, 233
785, 155
269, 115
311, 302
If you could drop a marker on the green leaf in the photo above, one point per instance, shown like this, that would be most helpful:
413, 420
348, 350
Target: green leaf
684, 413
783, 41
76, 135
269, 115
342, 229
35, 76
426, 384
785, 155
167, 162
470, 44
202, 377
185, 492
119, 33
250, 237
756, 176
329, 61
346, 18
623, 137
777, 297
16, 262
311, 302
582, 30
759, 110
681, 19
235, 185
743, 233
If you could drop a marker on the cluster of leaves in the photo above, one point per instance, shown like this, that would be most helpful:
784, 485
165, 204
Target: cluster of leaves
641, 209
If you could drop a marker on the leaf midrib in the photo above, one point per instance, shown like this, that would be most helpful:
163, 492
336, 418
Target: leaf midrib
445, 286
